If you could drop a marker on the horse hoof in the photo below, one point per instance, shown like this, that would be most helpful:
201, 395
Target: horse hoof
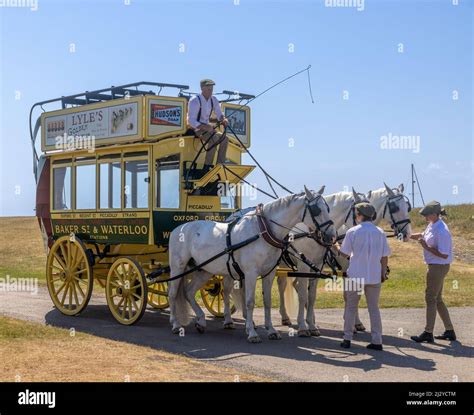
274, 336
304, 333
315, 332
254, 339
175, 330
229, 326
201, 329
286, 322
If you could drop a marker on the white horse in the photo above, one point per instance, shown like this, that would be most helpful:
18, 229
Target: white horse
390, 204
195, 242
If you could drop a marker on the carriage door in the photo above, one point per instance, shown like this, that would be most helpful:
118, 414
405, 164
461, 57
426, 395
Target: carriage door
167, 201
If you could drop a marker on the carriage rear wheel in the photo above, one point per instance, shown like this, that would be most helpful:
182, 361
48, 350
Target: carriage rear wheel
126, 291
158, 295
69, 275
212, 295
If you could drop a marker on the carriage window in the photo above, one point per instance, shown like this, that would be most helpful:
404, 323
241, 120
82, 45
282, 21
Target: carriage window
85, 186
62, 188
136, 184
167, 179
228, 197
110, 185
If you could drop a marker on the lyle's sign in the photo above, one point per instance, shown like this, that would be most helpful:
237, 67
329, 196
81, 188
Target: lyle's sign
107, 122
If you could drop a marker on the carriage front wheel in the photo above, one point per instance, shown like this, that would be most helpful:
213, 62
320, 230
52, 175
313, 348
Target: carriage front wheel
126, 291
69, 275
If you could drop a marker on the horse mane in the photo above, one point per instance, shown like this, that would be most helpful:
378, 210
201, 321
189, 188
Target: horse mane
333, 198
281, 202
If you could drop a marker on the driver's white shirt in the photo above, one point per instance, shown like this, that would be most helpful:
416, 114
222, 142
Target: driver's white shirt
206, 105
366, 244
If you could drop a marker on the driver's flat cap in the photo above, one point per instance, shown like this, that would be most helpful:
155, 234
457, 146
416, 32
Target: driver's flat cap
206, 82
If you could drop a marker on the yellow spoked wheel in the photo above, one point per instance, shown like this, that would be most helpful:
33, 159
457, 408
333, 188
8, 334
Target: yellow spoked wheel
212, 295
158, 295
69, 275
126, 291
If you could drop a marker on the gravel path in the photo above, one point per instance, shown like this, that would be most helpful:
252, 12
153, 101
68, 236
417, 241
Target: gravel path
292, 358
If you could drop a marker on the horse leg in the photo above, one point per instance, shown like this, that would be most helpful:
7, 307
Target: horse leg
267, 283
176, 299
228, 287
172, 294
199, 279
285, 318
312, 292
302, 290
250, 286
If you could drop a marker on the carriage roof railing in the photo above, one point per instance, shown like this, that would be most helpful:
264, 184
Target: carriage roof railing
116, 92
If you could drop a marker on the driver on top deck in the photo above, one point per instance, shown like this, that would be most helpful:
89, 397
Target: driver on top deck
199, 111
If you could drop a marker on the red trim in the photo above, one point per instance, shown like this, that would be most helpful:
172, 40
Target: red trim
42, 200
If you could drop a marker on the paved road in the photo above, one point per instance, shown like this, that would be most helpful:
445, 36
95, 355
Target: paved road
292, 358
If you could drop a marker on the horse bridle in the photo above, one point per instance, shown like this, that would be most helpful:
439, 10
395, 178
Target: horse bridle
392, 208
314, 211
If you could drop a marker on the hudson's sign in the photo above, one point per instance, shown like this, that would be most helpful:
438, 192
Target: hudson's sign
166, 115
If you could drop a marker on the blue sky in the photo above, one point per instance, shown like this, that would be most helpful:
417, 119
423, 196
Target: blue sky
245, 47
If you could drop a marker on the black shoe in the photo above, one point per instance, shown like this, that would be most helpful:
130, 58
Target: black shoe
447, 335
346, 344
374, 346
424, 337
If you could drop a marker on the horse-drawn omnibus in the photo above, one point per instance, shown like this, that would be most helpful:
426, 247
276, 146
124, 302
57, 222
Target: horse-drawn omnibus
118, 171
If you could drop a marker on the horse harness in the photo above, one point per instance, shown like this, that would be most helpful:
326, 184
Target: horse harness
283, 244
267, 235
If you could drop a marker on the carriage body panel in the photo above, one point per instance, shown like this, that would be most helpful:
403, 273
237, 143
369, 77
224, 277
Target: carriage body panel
116, 176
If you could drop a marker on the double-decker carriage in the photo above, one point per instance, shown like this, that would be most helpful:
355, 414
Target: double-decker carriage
118, 172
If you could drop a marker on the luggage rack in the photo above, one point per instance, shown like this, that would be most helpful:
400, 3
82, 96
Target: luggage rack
108, 94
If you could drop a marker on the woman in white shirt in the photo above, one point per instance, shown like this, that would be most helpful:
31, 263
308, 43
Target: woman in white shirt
437, 252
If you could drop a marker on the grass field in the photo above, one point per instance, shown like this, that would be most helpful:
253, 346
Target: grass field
45, 355
22, 255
